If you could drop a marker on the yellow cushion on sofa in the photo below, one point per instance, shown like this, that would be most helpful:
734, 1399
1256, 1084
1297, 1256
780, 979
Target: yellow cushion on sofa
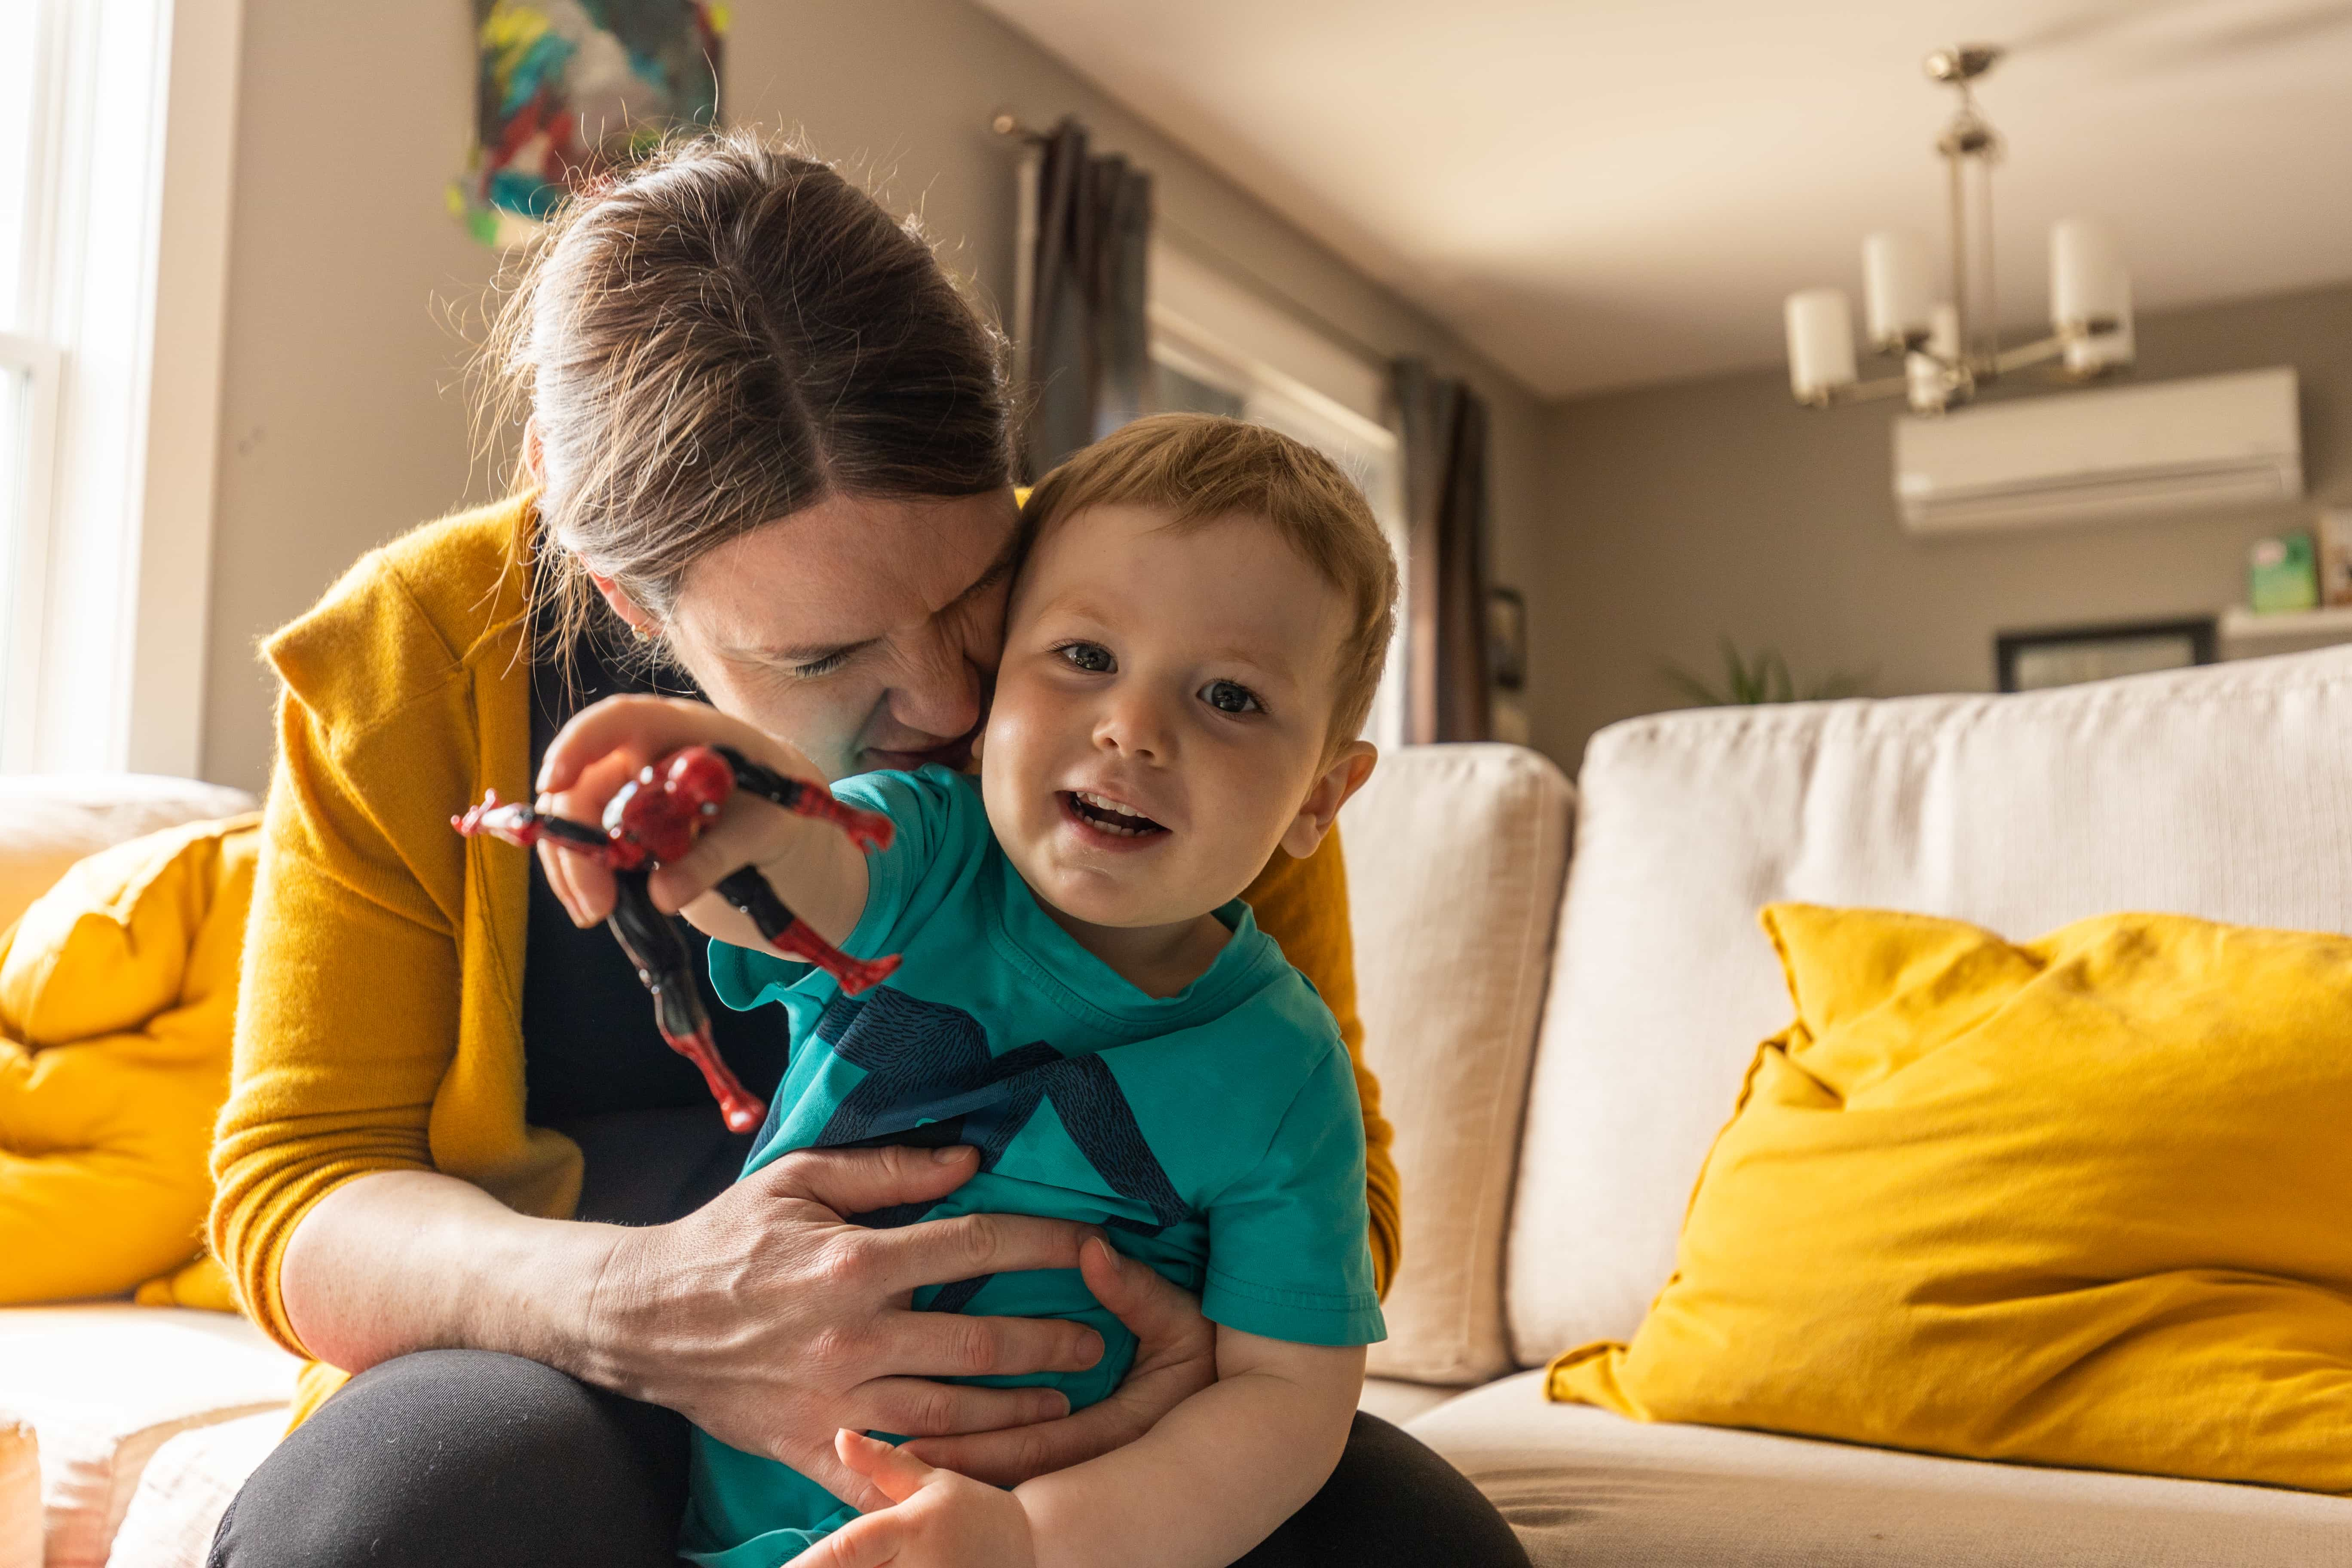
2080, 1202
117, 996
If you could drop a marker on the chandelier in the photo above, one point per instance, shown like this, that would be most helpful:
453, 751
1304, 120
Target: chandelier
1950, 348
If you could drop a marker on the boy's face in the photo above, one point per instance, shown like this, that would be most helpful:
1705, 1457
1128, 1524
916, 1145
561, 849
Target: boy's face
1187, 676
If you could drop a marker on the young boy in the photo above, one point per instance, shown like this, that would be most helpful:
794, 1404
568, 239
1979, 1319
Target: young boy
1191, 646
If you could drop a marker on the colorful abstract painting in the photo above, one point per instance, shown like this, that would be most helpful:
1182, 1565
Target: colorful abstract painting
571, 89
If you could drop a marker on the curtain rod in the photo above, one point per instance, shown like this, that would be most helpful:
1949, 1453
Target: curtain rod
1004, 122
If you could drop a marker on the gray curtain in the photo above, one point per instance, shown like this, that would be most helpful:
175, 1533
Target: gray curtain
1448, 683
1087, 359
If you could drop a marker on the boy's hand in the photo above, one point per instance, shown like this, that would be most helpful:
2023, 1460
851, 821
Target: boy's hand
918, 1517
818, 873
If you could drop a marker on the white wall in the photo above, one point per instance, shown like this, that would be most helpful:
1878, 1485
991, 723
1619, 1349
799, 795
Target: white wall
343, 422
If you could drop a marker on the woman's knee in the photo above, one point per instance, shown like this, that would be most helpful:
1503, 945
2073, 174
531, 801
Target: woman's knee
453, 1458
1391, 1499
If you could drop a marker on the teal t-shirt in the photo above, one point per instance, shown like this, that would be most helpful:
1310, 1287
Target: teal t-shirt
1215, 1134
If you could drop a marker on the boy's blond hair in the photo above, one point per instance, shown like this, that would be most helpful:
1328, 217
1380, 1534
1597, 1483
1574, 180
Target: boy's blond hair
1202, 468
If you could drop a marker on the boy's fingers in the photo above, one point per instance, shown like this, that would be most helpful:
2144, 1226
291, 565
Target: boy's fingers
898, 1475
871, 1542
647, 725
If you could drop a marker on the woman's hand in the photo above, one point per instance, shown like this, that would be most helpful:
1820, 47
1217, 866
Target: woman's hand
606, 745
772, 1321
1175, 1358
918, 1517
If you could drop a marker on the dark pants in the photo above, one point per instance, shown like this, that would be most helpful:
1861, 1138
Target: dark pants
451, 1458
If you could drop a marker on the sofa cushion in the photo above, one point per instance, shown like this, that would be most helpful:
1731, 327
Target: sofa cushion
118, 998
2218, 792
105, 1387
2075, 1202
20, 1493
1455, 860
48, 821
1586, 1489
187, 1487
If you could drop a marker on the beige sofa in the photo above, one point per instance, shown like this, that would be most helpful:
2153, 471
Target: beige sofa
1558, 1038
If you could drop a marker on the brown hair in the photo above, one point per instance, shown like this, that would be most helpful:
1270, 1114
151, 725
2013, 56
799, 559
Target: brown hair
727, 333
1202, 469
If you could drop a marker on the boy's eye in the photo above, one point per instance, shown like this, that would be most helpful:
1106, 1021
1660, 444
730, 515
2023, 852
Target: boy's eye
1091, 657
1228, 697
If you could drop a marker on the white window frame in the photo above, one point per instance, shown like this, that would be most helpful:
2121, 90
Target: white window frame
1294, 375
124, 295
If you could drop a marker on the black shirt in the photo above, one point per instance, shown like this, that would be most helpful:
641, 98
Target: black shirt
589, 1044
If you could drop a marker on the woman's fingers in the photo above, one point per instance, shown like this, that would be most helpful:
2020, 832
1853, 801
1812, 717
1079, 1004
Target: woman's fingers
940, 1251
859, 1180
921, 1409
1154, 1307
1011, 1454
897, 1474
951, 1344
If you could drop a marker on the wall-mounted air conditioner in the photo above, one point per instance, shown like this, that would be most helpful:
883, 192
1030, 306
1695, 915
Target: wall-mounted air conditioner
2220, 442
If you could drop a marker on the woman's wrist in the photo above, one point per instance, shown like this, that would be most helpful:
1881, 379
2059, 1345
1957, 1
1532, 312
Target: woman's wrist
400, 1261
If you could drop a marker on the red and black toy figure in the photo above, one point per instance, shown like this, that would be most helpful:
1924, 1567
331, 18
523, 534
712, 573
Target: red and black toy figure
655, 818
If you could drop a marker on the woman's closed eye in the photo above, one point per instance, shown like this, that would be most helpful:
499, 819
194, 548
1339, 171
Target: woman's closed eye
817, 669
1230, 696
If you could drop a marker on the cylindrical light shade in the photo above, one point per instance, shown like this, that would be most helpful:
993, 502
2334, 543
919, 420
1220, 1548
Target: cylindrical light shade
2086, 275
1821, 343
2106, 351
1944, 333
1896, 291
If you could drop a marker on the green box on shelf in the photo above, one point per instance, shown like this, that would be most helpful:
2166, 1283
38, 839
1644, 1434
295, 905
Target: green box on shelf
2283, 574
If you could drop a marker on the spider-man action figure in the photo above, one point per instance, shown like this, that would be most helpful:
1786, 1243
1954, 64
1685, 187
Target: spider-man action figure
656, 817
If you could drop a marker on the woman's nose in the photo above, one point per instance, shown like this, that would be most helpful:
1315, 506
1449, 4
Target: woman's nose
939, 690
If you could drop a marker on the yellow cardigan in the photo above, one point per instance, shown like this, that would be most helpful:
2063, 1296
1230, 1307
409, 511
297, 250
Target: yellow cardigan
379, 1020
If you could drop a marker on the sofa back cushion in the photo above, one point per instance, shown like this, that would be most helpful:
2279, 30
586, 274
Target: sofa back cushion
48, 821
2224, 793
1455, 860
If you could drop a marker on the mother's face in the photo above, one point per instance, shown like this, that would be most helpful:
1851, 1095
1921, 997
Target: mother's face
865, 632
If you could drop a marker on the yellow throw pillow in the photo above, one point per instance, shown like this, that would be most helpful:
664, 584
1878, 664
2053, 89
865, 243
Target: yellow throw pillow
118, 998
2083, 1202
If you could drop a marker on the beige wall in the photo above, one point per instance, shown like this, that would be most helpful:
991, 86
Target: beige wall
343, 422
1684, 513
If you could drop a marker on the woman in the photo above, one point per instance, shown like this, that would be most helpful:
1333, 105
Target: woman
770, 443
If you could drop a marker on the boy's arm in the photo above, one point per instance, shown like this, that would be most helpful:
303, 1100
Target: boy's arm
1216, 1474
811, 865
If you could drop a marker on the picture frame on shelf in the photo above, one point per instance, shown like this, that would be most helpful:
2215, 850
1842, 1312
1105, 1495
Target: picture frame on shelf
2036, 660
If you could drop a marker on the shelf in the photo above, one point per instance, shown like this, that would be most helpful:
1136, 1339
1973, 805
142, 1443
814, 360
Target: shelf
2239, 625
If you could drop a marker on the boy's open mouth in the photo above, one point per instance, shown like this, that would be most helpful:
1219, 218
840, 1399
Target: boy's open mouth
1107, 816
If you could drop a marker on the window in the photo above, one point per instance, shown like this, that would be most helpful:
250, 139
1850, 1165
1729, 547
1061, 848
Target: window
1219, 347
111, 289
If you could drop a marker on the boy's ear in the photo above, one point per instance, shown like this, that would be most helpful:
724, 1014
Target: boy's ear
1344, 776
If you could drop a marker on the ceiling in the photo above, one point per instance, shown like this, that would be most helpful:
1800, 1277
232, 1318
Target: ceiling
1604, 193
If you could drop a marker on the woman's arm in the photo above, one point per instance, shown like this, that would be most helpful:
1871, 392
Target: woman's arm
1303, 905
